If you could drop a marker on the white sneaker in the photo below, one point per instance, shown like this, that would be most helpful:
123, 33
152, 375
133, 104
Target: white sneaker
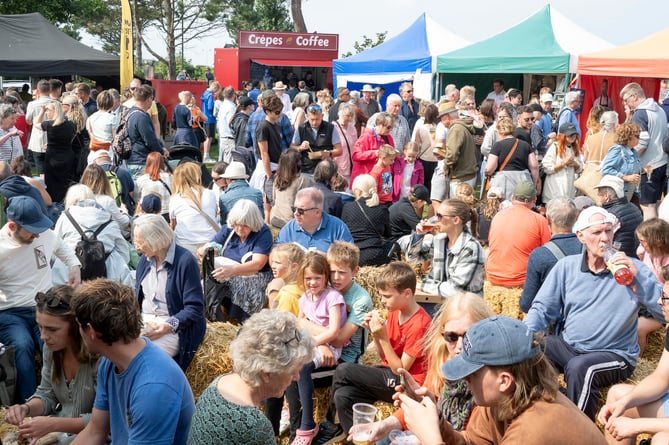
208, 160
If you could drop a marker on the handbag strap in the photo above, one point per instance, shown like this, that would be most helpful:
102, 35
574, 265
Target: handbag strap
166, 186
350, 159
508, 157
368, 220
227, 241
209, 219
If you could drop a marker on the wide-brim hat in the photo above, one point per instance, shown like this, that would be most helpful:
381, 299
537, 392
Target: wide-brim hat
616, 183
447, 108
367, 88
236, 170
279, 86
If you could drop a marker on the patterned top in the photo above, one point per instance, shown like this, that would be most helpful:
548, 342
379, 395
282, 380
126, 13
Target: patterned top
218, 421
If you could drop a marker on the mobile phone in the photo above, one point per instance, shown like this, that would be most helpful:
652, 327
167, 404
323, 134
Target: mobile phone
408, 390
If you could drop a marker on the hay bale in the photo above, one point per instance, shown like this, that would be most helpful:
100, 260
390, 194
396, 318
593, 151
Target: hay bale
365, 278
9, 434
212, 358
503, 300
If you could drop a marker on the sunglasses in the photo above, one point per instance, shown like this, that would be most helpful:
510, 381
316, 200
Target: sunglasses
277, 112
409, 91
301, 211
663, 298
297, 338
440, 216
218, 178
51, 301
314, 108
452, 337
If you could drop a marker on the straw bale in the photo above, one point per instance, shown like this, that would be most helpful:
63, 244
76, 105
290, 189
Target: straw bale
503, 300
9, 434
365, 278
212, 358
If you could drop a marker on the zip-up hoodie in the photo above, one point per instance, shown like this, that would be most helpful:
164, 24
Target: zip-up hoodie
653, 122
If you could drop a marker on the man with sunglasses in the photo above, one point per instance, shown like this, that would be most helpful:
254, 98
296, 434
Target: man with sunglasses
316, 139
152, 110
26, 246
409, 107
310, 227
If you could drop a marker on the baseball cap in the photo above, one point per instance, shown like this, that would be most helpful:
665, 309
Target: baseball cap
584, 218
419, 191
245, 101
568, 129
495, 193
495, 341
614, 182
525, 190
27, 213
151, 203
583, 202
546, 97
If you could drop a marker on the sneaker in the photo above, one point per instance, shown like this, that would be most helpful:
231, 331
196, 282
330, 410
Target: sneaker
330, 433
208, 160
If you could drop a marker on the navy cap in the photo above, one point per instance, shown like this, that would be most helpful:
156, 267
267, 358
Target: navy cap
495, 341
27, 213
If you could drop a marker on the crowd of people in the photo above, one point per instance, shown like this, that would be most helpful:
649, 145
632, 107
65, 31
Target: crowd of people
308, 188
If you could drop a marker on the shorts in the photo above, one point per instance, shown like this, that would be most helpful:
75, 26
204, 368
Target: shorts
440, 188
210, 130
268, 190
650, 192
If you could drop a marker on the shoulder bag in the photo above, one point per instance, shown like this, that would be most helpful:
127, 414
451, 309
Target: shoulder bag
590, 176
488, 179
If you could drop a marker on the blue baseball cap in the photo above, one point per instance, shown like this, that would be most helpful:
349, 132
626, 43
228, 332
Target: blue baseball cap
495, 341
27, 213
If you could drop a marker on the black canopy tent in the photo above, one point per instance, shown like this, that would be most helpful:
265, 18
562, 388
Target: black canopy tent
31, 46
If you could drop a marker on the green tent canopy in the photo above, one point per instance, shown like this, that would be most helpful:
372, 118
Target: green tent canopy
529, 47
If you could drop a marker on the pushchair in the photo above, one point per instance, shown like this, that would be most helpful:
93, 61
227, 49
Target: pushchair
187, 153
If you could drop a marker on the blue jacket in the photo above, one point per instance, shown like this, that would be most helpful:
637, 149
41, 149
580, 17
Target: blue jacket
143, 137
208, 106
185, 300
239, 190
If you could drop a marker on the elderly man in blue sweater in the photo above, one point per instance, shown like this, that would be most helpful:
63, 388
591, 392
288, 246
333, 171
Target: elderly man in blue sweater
598, 344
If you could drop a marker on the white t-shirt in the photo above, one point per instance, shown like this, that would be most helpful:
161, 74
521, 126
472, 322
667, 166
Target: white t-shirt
192, 227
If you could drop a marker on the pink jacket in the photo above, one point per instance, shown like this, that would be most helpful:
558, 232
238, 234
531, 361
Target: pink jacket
417, 177
364, 152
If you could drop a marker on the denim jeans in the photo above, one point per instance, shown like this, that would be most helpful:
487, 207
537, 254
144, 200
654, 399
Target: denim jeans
18, 328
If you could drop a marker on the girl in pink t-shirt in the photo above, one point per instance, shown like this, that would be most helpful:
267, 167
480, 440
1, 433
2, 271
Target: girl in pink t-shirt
323, 313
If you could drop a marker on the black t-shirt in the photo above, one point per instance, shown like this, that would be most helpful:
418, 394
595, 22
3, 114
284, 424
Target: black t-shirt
270, 133
59, 137
403, 218
518, 161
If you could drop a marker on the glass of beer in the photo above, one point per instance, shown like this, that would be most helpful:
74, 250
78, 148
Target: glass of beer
364, 415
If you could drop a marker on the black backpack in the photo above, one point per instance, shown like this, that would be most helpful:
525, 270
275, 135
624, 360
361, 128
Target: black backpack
556, 124
121, 144
90, 251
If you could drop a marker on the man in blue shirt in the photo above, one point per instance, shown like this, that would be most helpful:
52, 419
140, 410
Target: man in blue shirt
310, 227
568, 114
598, 343
142, 395
236, 188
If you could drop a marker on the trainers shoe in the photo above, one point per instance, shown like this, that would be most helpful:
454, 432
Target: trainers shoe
208, 160
330, 433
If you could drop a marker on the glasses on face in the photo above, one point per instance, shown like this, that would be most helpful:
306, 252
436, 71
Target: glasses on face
440, 216
218, 178
453, 337
301, 211
409, 91
276, 112
528, 119
315, 107
663, 298
51, 301
133, 88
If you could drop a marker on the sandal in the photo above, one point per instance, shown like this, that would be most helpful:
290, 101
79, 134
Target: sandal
304, 437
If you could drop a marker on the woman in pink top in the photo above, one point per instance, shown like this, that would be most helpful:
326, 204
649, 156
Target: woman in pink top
345, 126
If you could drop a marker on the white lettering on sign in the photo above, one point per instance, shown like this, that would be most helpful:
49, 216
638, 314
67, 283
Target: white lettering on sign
265, 41
312, 41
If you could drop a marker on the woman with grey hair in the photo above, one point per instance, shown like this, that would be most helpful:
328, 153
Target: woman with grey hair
80, 203
597, 145
168, 290
300, 103
10, 136
267, 355
236, 264
366, 148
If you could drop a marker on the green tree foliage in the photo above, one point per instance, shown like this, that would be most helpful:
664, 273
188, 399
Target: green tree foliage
367, 43
266, 15
65, 14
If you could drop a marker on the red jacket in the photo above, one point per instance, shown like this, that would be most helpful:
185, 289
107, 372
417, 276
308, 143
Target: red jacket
364, 152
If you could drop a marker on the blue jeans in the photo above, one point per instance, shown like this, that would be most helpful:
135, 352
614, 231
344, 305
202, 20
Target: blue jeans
18, 328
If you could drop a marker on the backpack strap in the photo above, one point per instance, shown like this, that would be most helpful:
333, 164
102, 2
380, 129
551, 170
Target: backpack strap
75, 224
101, 228
553, 248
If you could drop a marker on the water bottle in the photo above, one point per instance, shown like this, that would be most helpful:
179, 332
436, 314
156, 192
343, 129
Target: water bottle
621, 273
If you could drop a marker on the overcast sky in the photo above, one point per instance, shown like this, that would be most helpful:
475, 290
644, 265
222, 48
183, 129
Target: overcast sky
619, 22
